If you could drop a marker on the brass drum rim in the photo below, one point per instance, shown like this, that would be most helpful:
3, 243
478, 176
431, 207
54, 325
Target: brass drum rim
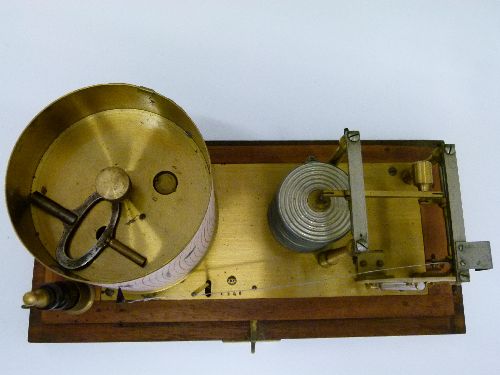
16, 192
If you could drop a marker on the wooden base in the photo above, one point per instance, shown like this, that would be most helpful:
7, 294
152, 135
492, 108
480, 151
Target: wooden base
438, 312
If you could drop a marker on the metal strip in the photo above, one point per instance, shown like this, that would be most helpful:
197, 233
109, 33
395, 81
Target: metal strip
359, 221
455, 225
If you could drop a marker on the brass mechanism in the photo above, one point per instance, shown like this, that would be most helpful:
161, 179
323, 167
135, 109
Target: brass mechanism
72, 298
385, 194
38, 298
331, 257
420, 174
109, 184
134, 158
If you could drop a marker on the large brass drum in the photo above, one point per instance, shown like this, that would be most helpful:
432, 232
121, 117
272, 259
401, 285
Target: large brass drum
169, 214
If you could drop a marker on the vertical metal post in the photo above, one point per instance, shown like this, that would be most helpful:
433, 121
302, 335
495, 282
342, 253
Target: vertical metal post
350, 143
454, 212
253, 335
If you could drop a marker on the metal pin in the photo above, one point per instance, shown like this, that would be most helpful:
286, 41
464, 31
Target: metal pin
253, 335
200, 289
127, 252
53, 208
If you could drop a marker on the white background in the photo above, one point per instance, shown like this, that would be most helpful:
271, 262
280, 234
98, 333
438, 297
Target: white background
271, 70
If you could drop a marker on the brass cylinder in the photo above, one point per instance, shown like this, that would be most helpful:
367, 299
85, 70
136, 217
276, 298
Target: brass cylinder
115, 139
127, 252
71, 297
422, 175
38, 298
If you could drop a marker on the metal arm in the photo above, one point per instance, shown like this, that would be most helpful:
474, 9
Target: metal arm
350, 144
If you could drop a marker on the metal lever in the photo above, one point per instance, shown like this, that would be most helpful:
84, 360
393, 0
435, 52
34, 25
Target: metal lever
386, 194
350, 144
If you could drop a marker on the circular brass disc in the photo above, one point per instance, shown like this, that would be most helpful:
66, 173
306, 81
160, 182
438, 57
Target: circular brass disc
142, 144
112, 183
126, 128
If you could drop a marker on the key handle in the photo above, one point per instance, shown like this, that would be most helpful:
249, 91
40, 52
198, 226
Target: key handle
69, 230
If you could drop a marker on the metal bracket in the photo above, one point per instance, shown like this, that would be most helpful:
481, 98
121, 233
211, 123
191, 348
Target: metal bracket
350, 143
455, 226
473, 256
467, 255
370, 265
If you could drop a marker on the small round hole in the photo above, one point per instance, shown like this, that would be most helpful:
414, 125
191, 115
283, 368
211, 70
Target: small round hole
165, 182
231, 280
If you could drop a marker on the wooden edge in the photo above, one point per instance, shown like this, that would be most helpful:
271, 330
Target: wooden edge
458, 319
41, 332
261, 309
239, 331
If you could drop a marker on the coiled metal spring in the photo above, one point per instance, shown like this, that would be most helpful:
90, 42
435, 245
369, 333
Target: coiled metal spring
299, 218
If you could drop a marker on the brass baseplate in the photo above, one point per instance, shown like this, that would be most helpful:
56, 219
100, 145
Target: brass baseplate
245, 261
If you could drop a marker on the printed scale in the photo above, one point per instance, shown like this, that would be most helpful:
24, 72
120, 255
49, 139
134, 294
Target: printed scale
114, 192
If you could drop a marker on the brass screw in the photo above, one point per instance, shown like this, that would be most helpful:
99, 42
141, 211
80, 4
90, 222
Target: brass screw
231, 280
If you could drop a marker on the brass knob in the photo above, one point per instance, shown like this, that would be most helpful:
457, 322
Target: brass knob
420, 174
112, 183
39, 298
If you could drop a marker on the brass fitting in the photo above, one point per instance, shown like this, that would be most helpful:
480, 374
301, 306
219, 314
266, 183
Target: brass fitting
420, 174
38, 298
330, 257
71, 297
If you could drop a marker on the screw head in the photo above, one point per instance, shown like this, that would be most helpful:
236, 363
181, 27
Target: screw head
449, 149
392, 171
353, 136
464, 276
